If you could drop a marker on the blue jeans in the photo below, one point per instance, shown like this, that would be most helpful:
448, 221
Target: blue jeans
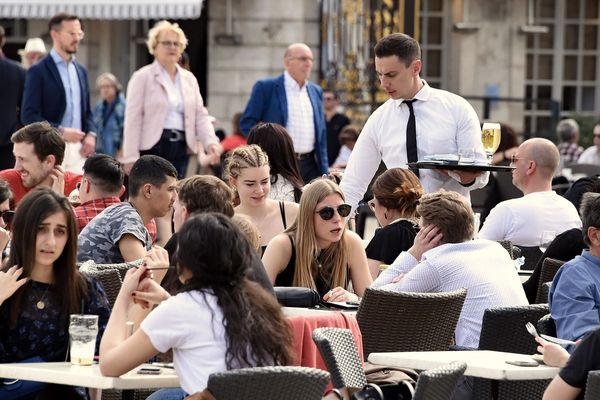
168, 394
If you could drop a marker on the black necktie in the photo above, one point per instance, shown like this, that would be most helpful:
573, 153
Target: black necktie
411, 136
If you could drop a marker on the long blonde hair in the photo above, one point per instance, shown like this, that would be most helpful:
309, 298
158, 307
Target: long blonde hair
307, 249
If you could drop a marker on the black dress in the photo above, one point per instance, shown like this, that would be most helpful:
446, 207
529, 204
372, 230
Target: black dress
389, 241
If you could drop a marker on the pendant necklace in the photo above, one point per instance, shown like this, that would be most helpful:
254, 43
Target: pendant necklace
40, 303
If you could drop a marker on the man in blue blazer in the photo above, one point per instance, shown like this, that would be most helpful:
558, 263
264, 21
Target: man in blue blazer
293, 101
57, 90
12, 78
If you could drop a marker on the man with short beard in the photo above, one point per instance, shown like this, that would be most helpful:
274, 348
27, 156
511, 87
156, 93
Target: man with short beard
57, 90
39, 150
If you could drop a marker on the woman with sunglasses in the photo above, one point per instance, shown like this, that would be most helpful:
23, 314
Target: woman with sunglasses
6, 215
396, 194
248, 172
40, 286
317, 251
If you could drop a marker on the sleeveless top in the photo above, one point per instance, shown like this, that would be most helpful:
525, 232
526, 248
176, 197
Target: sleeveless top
286, 277
283, 220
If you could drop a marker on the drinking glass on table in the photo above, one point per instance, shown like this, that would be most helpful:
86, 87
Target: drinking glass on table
490, 137
83, 330
545, 240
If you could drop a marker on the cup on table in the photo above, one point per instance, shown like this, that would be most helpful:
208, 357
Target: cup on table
466, 155
83, 330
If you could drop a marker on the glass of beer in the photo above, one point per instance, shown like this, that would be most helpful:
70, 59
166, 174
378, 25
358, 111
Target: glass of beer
490, 137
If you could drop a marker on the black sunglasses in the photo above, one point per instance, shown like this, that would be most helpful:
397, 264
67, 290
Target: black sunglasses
326, 213
7, 216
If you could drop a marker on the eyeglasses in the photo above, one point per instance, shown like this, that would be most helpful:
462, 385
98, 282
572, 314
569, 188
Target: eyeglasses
303, 59
7, 217
597, 135
326, 213
79, 35
372, 204
328, 98
514, 159
168, 43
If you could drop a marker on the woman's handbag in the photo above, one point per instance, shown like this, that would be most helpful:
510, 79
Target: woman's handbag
399, 391
297, 296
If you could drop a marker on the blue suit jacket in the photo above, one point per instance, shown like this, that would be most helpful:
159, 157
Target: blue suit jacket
268, 103
44, 96
12, 78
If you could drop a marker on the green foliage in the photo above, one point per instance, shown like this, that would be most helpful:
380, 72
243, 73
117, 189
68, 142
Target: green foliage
586, 128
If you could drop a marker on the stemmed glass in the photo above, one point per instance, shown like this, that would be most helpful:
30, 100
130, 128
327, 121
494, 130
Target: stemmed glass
490, 137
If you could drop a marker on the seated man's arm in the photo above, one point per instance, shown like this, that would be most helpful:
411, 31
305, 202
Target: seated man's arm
573, 303
131, 247
495, 225
423, 278
401, 265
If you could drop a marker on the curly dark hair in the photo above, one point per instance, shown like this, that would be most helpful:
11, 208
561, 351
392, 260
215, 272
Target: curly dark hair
257, 333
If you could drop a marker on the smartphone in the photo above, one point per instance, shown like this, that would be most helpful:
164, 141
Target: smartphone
524, 363
149, 371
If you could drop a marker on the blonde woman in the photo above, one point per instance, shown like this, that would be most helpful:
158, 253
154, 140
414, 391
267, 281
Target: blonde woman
165, 114
317, 251
248, 172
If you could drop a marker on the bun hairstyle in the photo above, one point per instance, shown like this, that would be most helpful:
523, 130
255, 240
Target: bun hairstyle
399, 189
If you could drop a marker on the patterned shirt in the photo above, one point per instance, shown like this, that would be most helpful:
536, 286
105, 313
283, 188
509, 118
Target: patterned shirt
569, 152
99, 240
300, 124
44, 332
85, 212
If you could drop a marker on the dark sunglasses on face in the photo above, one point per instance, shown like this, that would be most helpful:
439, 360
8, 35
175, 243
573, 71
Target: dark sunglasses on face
7, 216
326, 213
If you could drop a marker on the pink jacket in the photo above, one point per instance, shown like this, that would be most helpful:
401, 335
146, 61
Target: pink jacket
146, 111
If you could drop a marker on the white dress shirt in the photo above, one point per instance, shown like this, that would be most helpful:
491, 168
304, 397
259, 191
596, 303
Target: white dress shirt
175, 112
589, 156
300, 123
523, 220
482, 267
445, 122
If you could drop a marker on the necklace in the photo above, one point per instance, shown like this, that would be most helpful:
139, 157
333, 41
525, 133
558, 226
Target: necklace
40, 303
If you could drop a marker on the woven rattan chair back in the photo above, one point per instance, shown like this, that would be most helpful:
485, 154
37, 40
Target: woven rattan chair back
503, 329
592, 387
510, 249
439, 383
404, 321
339, 351
110, 279
546, 325
269, 383
121, 267
550, 267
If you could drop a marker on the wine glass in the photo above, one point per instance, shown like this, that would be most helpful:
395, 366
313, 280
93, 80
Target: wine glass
490, 137
545, 240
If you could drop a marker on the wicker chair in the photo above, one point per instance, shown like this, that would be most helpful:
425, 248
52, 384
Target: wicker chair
110, 279
269, 383
546, 325
405, 321
439, 383
121, 267
507, 244
592, 387
550, 267
544, 293
532, 255
339, 351
503, 329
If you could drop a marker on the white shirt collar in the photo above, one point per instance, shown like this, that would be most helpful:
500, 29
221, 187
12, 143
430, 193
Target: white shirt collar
422, 94
291, 82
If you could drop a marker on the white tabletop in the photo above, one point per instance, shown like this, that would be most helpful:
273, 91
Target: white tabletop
480, 363
87, 376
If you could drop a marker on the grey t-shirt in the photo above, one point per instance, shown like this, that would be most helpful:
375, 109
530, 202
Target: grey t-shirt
99, 240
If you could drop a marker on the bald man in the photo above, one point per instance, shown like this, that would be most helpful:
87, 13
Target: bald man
523, 220
291, 100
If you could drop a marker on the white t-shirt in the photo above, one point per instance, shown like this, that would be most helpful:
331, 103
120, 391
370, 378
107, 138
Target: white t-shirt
589, 156
191, 324
523, 220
